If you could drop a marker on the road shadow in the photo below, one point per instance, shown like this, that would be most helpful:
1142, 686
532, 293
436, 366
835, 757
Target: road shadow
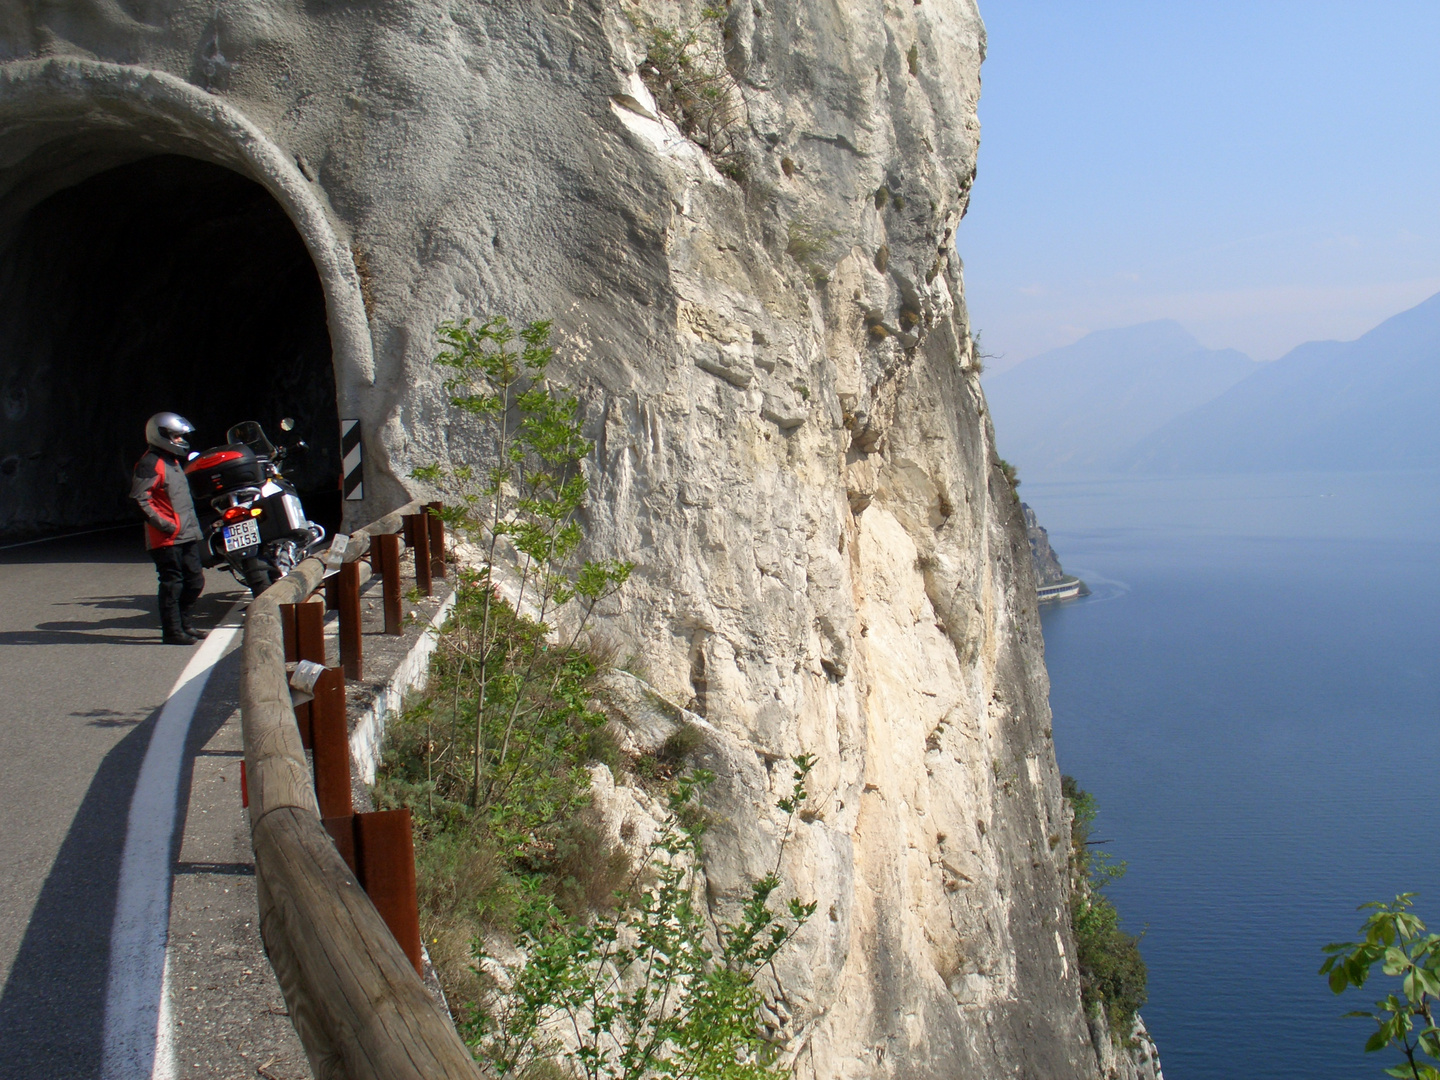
110, 718
124, 544
52, 1009
71, 637
209, 610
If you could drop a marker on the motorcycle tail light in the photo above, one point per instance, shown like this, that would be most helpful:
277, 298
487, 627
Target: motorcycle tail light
236, 513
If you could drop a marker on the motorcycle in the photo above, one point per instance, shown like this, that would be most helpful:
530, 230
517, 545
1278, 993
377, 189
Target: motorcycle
251, 516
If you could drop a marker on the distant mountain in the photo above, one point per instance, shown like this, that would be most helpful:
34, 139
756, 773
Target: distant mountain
1084, 407
1364, 404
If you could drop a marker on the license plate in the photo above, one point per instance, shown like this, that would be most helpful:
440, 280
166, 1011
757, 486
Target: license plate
243, 534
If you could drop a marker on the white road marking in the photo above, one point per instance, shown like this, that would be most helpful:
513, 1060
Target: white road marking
164, 1068
136, 982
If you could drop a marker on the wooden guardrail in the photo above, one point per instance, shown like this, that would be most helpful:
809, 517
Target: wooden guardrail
356, 1002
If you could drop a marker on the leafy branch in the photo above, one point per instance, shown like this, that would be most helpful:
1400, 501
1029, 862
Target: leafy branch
1395, 938
640, 993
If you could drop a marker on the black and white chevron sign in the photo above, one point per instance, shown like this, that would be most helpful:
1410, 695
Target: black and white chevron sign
353, 468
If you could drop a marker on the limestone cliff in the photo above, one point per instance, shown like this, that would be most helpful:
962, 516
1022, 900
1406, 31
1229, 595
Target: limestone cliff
1048, 570
769, 338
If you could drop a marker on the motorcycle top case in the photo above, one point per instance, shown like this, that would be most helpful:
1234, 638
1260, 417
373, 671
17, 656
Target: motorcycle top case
225, 468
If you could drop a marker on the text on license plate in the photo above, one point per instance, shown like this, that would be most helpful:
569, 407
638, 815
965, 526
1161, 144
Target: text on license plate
241, 535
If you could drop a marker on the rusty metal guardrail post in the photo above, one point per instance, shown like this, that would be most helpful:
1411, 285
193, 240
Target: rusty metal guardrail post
436, 525
351, 658
386, 551
355, 999
417, 535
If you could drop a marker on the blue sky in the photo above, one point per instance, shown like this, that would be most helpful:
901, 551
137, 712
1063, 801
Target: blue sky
1266, 172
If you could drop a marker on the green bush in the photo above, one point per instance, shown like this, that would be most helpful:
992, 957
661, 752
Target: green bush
531, 834
511, 728
683, 742
808, 244
641, 991
1112, 971
492, 758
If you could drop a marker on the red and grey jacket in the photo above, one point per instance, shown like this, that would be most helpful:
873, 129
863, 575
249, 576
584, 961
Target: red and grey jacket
163, 493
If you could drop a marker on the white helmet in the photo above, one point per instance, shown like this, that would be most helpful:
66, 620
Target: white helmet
166, 431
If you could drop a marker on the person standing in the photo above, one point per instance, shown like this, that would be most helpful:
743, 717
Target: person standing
172, 531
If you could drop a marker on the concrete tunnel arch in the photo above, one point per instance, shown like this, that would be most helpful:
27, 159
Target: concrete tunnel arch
67, 122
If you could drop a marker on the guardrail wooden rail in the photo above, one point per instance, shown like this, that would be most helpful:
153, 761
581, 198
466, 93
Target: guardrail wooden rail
360, 1010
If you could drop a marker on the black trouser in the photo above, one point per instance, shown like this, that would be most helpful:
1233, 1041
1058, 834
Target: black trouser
182, 579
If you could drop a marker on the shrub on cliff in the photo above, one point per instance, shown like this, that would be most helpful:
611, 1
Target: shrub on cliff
492, 759
524, 703
1112, 971
640, 993
685, 71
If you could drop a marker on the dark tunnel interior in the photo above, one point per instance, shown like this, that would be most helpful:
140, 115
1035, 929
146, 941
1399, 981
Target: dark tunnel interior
165, 284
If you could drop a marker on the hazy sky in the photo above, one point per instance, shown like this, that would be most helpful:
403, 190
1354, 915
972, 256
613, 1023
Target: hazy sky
1266, 172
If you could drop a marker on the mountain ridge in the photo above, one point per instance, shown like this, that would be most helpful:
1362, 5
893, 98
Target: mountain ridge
1364, 403
1083, 406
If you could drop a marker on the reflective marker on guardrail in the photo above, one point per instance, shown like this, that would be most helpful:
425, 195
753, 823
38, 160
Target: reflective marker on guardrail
335, 554
302, 681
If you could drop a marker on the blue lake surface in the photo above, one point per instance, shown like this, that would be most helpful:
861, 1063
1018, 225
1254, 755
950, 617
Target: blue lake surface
1252, 695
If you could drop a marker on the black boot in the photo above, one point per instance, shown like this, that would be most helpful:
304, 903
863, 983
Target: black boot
172, 629
190, 628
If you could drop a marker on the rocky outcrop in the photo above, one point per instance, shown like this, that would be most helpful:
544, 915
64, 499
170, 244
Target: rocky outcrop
1135, 1057
1051, 581
1047, 564
768, 336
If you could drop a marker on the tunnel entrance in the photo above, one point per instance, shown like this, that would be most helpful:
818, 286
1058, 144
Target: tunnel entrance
166, 283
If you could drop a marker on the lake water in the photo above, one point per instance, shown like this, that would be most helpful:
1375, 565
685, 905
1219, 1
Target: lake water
1252, 695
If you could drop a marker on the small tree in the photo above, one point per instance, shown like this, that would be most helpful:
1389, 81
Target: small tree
1395, 938
685, 70
529, 498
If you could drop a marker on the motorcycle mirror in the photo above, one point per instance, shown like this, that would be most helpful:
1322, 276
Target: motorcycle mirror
287, 424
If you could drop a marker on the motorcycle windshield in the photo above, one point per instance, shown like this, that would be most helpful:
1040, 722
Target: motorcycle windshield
252, 435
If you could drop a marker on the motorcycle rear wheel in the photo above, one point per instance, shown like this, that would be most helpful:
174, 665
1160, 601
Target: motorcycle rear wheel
258, 574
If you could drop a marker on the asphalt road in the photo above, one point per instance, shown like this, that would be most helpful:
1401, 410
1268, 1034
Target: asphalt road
83, 677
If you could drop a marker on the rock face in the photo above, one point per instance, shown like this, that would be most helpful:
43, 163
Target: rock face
1047, 564
771, 348
1134, 1058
